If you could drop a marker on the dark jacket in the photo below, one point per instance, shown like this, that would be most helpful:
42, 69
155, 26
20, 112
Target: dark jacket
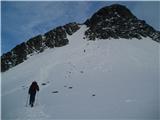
33, 88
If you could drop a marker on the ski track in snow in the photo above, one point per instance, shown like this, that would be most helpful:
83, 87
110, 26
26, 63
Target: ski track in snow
35, 113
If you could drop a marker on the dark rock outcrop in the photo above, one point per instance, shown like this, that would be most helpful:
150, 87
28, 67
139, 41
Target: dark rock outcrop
54, 38
116, 21
35, 44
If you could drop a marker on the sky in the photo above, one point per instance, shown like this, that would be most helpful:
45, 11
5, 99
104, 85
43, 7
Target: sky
22, 20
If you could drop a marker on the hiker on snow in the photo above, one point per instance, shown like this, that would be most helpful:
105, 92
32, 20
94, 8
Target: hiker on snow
32, 91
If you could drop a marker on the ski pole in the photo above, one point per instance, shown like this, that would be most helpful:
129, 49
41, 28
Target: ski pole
37, 99
27, 100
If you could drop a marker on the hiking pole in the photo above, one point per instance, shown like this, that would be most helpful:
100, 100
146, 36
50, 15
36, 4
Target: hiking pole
37, 99
27, 100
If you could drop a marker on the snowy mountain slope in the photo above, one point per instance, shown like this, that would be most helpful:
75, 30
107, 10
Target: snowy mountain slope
101, 79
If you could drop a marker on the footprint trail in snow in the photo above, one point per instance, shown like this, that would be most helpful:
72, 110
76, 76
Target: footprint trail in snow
35, 113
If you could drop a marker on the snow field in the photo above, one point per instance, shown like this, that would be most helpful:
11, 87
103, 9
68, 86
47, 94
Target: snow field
102, 79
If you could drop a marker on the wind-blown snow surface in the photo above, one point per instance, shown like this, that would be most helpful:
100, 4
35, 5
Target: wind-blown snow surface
102, 79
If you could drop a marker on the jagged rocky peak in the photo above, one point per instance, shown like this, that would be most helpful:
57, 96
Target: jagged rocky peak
54, 38
117, 21
114, 11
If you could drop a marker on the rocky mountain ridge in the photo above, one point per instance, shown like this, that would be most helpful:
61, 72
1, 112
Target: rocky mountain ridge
115, 21
54, 38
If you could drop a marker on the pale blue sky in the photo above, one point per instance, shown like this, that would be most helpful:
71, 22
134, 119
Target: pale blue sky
23, 20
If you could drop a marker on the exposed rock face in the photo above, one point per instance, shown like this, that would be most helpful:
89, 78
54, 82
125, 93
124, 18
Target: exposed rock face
54, 38
116, 21
58, 37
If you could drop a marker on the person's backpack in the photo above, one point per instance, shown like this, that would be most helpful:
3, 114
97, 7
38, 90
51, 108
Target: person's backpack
33, 88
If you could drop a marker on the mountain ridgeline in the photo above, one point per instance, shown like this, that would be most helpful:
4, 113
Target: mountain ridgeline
115, 21
54, 38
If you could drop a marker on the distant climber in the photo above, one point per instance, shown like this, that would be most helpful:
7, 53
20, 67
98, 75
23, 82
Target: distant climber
32, 91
